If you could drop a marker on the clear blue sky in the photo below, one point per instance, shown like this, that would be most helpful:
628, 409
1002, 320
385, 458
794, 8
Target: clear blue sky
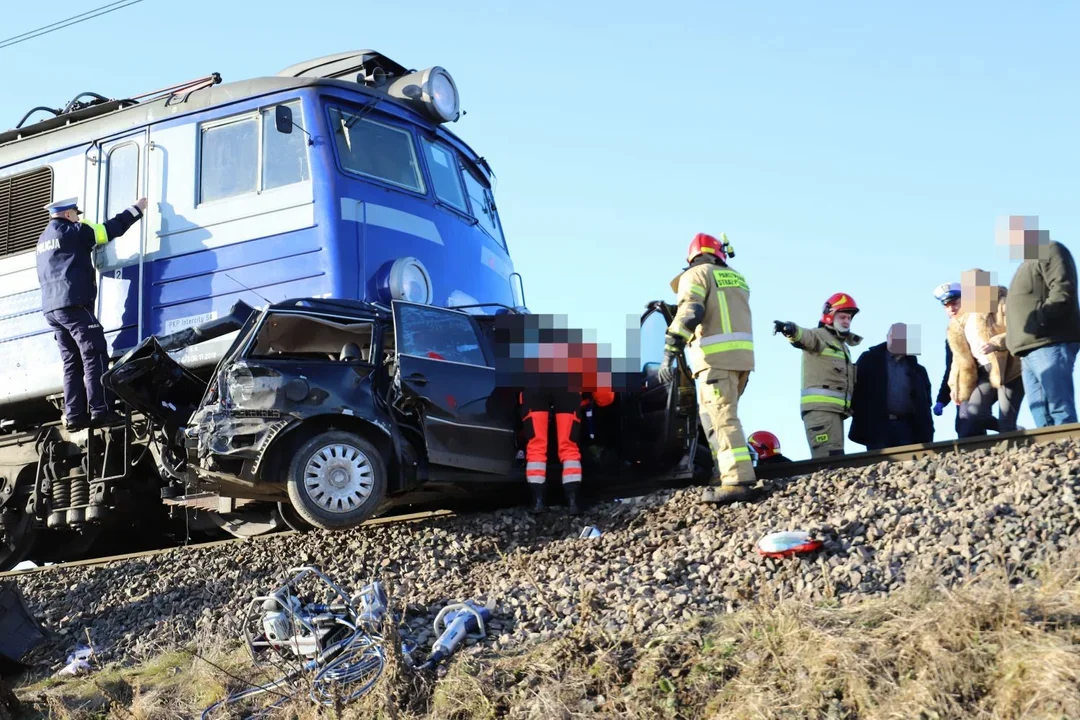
843, 146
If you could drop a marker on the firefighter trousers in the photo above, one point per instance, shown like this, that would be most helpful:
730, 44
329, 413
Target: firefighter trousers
537, 404
718, 407
824, 432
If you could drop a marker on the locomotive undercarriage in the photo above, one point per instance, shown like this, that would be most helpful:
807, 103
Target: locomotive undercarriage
64, 494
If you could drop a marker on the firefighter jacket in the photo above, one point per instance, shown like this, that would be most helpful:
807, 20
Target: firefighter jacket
65, 265
713, 317
828, 375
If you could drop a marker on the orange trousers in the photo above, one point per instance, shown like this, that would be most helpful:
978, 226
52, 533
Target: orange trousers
537, 406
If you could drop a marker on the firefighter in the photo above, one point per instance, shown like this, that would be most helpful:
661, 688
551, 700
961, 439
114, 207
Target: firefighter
538, 404
767, 447
68, 284
713, 318
828, 375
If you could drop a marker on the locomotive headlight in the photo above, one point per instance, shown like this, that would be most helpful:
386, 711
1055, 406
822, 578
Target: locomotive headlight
440, 94
409, 281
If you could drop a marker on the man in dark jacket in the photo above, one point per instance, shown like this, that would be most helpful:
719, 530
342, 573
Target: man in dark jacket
891, 403
1042, 319
68, 282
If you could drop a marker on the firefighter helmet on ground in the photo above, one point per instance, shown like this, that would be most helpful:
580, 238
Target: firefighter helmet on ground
835, 303
765, 444
703, 243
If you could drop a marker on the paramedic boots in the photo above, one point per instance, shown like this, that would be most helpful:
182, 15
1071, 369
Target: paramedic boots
571, 490
538, 498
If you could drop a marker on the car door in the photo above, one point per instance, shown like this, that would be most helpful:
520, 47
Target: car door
662, 409
443, 363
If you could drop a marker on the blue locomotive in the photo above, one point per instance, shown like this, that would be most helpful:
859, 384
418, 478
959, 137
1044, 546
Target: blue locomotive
335, 178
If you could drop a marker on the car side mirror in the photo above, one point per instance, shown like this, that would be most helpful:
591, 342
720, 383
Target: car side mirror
650, 368
283, 119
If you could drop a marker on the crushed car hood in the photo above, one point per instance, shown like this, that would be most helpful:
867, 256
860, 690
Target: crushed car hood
159, 387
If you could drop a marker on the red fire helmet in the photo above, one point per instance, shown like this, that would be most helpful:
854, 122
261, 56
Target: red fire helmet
765, 444
838, 301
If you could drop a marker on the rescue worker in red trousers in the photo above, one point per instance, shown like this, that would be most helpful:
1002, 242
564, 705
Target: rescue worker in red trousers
577, 363
538, 404
828, 375
767, 447
713, 320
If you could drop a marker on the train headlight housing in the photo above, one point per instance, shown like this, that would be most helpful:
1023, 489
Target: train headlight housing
440, 94
409, 280
430, 91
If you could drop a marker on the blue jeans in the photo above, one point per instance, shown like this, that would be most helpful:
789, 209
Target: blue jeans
1048, 383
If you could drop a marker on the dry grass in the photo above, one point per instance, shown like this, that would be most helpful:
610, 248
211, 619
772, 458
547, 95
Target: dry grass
986, 650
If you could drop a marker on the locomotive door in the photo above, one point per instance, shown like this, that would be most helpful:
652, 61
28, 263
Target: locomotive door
121, 180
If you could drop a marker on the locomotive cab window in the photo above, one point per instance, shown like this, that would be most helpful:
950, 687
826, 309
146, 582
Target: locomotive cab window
443, 164
246, 154
483, 204
377, 150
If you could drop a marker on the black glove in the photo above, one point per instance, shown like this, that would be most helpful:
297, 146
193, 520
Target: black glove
667, 369
787, 329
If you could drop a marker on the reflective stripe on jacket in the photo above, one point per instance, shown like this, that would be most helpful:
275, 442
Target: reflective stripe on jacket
828, 375
720, 297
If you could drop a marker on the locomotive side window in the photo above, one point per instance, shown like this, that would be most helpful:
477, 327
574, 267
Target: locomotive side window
442, 163
483, 205
246, 155
285, 158
372, 149
230, 160
123, 179
437, 334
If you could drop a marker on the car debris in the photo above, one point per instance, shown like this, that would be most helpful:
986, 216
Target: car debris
589, 531
78, 662
335, 647
785, 544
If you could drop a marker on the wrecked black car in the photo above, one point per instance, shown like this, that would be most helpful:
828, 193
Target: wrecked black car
331, 408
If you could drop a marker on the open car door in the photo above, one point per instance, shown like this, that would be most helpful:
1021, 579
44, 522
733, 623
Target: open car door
445, 365
665, 421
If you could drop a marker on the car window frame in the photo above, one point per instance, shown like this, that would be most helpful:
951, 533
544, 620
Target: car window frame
482, 342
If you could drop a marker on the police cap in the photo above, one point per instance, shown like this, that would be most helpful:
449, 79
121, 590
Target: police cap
55, 208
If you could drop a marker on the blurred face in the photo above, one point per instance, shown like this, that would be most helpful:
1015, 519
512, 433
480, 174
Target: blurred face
1023, 237
978, 292
896, 340
952, 307
842, 320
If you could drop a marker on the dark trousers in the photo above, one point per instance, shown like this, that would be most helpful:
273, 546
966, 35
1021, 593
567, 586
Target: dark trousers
85, 354
976, 416
898, 431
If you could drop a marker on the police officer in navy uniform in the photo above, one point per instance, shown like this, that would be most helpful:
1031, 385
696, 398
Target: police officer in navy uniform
68, 284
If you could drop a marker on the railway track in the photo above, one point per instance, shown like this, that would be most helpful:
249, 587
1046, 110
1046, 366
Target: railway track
764, 472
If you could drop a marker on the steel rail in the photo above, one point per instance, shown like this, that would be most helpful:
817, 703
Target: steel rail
797, 468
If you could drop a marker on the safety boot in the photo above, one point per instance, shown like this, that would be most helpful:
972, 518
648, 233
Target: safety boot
106, 419
538, 498
724, 494
571, 490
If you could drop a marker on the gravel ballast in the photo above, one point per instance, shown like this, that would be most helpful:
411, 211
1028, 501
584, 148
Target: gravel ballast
661, 559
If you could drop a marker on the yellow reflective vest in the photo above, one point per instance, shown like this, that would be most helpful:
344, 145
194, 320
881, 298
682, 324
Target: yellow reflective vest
720, 297
828, 374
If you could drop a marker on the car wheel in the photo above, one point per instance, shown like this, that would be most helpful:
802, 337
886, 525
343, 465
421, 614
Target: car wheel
337, 480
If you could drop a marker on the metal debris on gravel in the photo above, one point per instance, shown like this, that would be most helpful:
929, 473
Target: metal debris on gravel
660, 559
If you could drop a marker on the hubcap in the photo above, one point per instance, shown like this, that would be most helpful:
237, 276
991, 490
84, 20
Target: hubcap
339, 478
